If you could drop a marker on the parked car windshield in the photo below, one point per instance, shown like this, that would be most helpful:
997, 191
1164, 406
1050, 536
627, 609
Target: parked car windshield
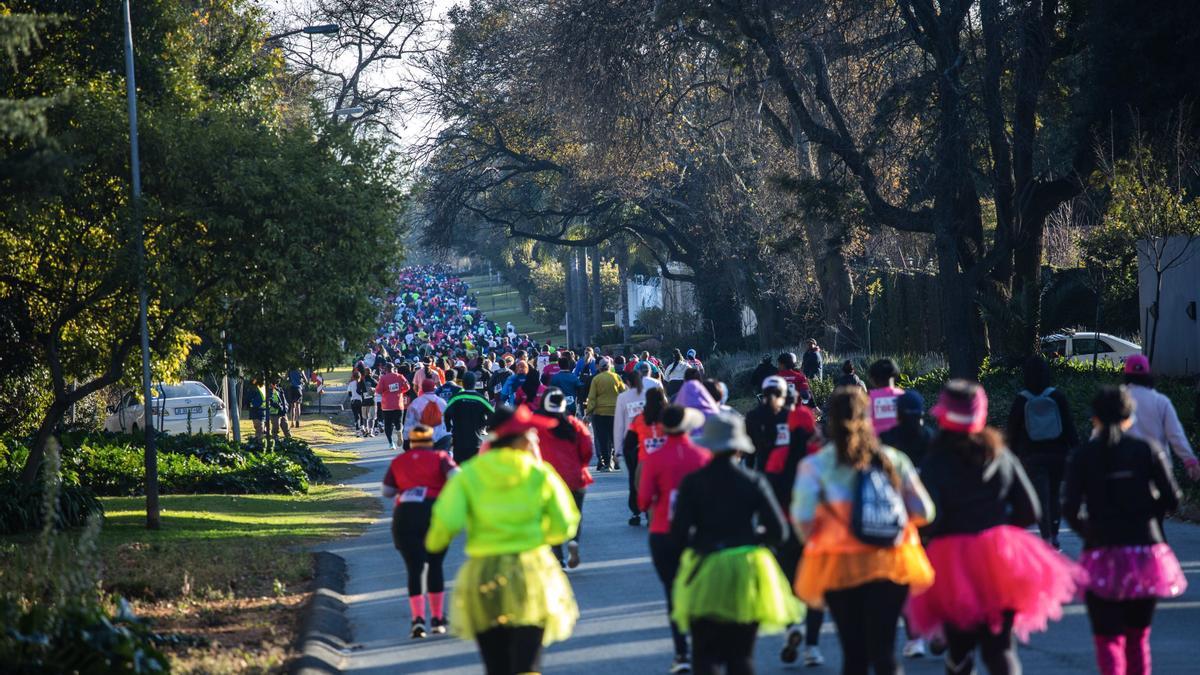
1091, 346
183, 390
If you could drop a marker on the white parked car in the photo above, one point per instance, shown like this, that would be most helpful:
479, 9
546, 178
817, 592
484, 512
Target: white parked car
186, 407
1081, 346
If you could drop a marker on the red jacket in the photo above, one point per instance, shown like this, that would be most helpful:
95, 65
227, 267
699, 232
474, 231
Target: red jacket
661, 475
422, 470
795, 378
570, 458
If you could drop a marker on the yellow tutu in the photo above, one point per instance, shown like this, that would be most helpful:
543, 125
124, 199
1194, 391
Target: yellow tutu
736, 585
513, 589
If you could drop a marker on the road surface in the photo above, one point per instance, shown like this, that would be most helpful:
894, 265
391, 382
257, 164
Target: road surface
622, 627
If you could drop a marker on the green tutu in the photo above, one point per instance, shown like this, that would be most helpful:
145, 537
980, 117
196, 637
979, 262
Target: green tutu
736, 585
513, 589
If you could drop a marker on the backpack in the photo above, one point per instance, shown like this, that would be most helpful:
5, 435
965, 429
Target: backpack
431, 415
878, 515
1043, 420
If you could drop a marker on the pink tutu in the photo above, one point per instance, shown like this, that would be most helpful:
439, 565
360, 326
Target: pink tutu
979, 577
1128, 572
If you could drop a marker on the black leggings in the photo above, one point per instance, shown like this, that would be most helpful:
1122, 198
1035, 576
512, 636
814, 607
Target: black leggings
509, 651
997, 650
602, 434
356, 410
1110, 618
631, 466
789, 555
410, 522
717, 645
578, 495
866, 619
665, 556
392, 420
1046, 474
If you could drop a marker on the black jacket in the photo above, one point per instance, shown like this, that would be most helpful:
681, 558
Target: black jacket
762, 372
969, 498
763, 426
716, 507
1056, 448
466, 417
911, 439
1126, 489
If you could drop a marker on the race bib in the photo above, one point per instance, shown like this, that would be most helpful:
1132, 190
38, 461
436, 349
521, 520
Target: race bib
783, 436
885, 408
410, 495
394, 387
653, 444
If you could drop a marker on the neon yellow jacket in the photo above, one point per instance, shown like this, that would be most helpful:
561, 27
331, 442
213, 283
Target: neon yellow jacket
508, 501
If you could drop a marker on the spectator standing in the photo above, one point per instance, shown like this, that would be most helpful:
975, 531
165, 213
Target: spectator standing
849, 377
813, 362
295, 395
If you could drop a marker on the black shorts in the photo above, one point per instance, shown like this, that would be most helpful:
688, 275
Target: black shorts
293, 393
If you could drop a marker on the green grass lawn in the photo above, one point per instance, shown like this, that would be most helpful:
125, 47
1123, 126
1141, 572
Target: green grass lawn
501, 303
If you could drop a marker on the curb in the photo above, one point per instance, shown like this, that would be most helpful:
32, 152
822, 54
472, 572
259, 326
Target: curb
324, 631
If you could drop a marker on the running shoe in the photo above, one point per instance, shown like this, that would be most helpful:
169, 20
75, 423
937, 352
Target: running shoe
418, 629
572, 554
914, 649
635, 520
813, 657
438, 626
681, 664
791, 645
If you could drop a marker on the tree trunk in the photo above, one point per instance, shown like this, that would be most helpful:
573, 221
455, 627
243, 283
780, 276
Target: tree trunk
957, 304
597, 294
626, 314
37, 450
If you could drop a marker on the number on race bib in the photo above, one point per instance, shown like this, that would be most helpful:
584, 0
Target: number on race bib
394, 387
783, 436
411, 495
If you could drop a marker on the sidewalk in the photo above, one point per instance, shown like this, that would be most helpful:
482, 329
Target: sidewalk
623, 615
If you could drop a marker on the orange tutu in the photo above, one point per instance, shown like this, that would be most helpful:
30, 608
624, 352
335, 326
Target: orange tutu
819, 573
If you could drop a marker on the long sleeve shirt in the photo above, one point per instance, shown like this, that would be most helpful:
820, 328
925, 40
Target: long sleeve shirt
1155, 419
724, 505
971, 497
661, 474
1126, 489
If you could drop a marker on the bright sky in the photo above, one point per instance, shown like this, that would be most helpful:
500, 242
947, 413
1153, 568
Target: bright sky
413, 129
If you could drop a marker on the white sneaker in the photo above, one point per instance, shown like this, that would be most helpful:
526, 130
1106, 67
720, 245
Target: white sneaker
572, 554
914, 649
813, 657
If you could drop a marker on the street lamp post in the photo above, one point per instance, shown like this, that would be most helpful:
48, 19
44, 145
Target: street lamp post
319, 29
152, 513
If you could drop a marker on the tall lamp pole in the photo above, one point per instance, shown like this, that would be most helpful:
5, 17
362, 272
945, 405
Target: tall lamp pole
152, 513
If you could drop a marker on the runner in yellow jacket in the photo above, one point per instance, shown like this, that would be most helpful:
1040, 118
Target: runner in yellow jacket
511, 595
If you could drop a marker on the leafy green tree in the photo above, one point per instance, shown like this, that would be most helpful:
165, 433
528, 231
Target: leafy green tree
240, 200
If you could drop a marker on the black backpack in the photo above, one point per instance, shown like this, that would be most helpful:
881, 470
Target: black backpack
878, 516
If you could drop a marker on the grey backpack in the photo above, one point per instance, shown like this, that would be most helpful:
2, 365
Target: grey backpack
1043, 420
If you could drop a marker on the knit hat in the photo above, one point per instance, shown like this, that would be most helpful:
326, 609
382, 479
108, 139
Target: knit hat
1137, 364
962, 407
677, 419
910, 403
420, 436
725, 432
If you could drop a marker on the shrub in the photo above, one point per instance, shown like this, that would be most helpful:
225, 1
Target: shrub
296, 450
21, 506
55, 616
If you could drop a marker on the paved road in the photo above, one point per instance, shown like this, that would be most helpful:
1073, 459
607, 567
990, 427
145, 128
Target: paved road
623, 616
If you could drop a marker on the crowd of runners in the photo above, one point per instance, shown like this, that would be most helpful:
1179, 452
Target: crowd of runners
853, 506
